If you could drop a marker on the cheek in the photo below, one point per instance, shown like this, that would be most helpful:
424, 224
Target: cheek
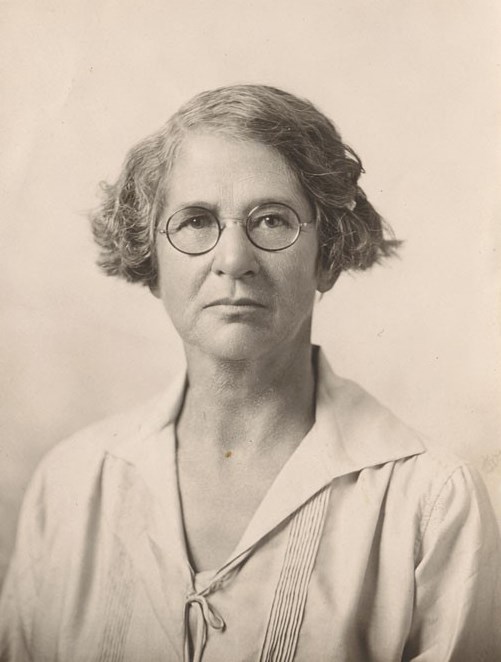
171, 287
179, 276
302, 268
299, 283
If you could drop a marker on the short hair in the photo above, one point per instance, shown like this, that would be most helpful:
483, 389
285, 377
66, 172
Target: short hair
352, 235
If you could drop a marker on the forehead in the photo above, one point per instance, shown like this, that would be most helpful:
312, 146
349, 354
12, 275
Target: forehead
225, 172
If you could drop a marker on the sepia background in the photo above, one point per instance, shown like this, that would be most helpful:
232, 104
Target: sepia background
412, 86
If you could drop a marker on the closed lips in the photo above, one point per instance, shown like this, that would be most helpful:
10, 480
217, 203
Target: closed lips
235, 302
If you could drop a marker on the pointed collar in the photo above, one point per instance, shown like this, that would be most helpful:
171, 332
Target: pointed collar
352, 431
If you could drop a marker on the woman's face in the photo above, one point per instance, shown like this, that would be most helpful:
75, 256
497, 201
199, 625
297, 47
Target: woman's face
237, 301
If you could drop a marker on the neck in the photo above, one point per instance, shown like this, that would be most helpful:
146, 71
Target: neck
248, 404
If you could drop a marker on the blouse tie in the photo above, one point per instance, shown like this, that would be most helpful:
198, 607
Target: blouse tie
205, 616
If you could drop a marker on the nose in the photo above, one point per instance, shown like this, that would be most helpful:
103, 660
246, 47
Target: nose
234, 255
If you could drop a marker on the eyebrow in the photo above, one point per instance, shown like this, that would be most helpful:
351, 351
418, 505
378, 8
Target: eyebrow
290, 201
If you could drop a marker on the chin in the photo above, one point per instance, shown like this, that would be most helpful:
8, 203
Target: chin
238, 350
237, 344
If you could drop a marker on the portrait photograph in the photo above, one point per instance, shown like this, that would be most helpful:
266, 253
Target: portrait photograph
250, 338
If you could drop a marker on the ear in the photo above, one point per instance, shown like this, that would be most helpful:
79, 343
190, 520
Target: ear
326, 279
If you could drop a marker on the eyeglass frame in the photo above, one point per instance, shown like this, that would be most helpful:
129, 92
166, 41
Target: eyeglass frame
244, 222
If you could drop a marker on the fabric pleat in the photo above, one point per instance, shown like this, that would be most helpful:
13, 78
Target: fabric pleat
289, 601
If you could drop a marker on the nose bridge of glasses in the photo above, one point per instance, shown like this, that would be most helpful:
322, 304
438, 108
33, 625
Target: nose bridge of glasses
240, 237
234, 253
224, 221
228, 222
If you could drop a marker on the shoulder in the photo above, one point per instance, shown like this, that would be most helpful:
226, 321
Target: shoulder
71, 469
421, 474
86, 446
443, 499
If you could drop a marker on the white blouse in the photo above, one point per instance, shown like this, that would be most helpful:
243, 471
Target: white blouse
367, 547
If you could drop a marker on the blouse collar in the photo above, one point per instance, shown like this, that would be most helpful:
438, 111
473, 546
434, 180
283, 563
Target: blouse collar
352, 431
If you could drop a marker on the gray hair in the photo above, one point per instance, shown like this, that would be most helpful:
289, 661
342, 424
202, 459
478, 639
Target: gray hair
352, 235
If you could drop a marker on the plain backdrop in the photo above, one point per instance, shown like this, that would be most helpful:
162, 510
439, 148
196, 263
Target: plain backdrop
412, 85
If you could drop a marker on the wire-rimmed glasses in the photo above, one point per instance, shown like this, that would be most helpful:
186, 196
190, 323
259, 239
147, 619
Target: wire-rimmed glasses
273, 226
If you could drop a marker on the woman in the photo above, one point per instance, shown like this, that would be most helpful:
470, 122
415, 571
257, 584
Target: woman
264, 508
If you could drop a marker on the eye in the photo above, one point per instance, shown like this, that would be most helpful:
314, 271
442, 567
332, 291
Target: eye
276, 219
191, 220
197, 222
272, 221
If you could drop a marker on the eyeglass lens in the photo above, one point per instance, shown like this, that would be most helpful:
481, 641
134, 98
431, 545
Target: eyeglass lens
196, 230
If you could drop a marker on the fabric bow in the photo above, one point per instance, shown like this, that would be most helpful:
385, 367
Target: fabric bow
205, 615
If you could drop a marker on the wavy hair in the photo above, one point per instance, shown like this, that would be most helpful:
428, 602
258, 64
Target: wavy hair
352, 235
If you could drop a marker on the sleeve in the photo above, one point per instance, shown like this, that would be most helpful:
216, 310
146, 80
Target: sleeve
19, 598
457, 605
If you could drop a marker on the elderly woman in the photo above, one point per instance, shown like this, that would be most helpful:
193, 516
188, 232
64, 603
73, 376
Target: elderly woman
263, 508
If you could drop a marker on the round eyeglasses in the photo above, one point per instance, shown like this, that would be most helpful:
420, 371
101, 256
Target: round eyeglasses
271, 227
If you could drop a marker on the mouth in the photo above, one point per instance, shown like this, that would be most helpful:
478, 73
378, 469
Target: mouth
242, 302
